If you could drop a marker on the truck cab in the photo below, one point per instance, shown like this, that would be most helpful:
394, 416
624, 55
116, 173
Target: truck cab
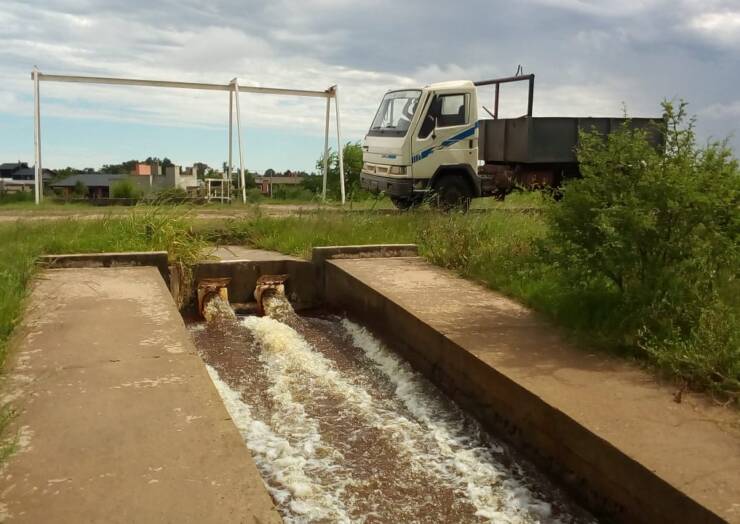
423, 140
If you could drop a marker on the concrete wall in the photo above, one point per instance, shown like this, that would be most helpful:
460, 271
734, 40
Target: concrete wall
602, 478
302, 287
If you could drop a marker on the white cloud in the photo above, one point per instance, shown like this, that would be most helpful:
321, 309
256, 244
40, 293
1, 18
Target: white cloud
722, 27
722, 111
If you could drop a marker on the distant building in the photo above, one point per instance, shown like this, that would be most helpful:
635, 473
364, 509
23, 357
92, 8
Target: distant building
98, 185
173, 178
142, 170
9, 168
18, 176
267, 184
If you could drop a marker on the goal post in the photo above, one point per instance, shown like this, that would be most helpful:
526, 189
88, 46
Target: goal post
234, 89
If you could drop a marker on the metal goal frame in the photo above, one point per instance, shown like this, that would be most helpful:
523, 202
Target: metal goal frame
233, 89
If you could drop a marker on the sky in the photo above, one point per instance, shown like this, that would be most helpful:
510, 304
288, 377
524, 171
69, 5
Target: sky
590, 58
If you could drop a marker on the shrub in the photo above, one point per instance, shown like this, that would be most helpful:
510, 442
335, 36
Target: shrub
282, 192
169, 196
655, 232
18, 196
125, 189
80, 188
254, 196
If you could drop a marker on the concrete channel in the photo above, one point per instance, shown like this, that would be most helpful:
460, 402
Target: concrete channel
566, 435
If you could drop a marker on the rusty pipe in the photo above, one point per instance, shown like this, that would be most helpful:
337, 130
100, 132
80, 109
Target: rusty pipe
267, 285
209, 288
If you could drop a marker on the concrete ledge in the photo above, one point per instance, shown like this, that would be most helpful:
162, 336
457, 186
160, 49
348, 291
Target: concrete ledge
320, 254
118, 419
157, 259
615, 478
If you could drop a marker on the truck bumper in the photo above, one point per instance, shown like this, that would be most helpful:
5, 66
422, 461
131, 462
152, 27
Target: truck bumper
395, 187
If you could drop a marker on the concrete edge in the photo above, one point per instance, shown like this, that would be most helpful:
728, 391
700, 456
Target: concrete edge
159, 259
323, 253
600, 476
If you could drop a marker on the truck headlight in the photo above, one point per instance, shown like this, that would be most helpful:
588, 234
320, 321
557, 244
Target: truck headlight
397, 170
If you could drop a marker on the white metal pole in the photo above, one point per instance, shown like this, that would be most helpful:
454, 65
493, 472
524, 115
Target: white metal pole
326, 147
231, 138
340, 153
38, 171
239, 138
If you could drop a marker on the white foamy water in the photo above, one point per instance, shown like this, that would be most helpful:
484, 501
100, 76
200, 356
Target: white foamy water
430, 437
343, 430
461, 458
287, 467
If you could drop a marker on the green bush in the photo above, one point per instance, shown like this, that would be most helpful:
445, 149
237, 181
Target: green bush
125, 189
18, 196
80, 188
169, 195
653, 232
254, 196
282, 192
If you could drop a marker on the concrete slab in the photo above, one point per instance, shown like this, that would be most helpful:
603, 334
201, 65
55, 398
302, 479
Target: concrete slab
245, 254
600, 423
322, 253
128, 258
118, 419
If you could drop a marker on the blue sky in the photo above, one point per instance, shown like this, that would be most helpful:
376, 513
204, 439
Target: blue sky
589, 58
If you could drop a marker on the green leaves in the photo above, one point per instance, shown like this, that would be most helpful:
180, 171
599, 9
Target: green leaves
658, 226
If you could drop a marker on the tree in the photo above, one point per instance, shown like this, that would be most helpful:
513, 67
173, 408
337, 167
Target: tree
80, 188
66, 172
123, 168
270, 172
352, 154
200, 169
125, 189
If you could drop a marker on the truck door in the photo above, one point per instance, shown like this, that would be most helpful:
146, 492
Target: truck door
446, 135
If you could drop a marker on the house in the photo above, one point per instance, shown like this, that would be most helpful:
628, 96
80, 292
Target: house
18, 176
9, 168
267, 184
98, 184
174, 178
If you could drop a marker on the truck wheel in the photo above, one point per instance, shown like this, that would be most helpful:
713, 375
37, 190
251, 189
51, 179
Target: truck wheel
403, 204
452, 192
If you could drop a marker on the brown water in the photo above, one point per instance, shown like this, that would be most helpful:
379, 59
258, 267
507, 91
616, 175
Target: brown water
343, 430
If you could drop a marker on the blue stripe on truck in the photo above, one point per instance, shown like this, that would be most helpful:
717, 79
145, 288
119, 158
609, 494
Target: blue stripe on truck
447, 143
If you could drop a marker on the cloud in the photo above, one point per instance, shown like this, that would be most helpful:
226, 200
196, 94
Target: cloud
722, 27
589, 56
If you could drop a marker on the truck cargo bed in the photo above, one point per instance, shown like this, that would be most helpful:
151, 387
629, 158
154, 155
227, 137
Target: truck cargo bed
547, 140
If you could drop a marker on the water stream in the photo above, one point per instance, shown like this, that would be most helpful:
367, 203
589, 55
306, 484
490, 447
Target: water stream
343, 430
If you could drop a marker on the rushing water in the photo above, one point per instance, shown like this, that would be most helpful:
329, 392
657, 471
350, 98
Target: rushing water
343, 430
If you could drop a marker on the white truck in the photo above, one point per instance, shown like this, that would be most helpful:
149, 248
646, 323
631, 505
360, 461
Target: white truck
428, 143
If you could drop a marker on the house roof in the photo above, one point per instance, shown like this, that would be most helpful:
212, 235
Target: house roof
30, 172
89, 179
12, 165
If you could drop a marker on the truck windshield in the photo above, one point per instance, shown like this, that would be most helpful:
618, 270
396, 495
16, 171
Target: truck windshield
395, 113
